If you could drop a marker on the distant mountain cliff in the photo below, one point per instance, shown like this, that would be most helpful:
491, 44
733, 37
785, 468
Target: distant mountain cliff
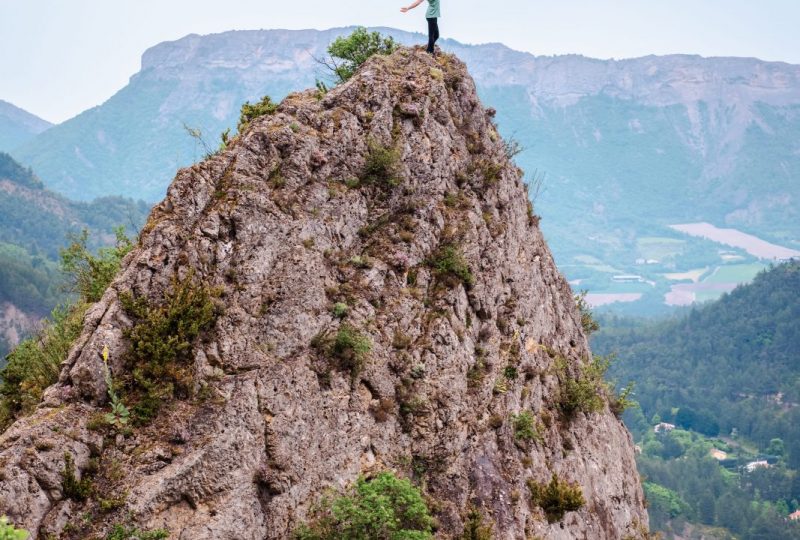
18, 126
356, 284
627, 146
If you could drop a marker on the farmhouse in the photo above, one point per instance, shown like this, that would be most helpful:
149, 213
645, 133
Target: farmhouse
753, 465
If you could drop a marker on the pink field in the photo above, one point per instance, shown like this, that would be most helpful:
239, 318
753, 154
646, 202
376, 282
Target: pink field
732, 237
597, 300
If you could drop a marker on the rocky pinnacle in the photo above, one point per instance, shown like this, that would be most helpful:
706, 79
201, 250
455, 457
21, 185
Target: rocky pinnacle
388, 207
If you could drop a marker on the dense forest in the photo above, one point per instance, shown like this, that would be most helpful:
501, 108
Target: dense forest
726, 376
13, 171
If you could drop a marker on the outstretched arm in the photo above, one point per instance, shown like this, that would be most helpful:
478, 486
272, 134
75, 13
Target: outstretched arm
412, 6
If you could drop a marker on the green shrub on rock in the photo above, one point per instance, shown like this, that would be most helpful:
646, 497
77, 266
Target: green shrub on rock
9, 532
381, 166
35, 363
581, 393
90, 275
475, 528
382, 508
161, 338
588, 323
121, 532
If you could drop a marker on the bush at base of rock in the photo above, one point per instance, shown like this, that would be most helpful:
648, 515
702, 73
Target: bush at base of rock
383, 508
9, 532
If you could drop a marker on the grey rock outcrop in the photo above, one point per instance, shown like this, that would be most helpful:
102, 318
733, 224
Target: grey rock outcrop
279, 225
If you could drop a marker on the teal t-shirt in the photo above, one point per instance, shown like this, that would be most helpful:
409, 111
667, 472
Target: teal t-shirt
433, 10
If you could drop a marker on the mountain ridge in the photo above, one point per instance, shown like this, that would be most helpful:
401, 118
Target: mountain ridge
17, 126
628, 147
535, 73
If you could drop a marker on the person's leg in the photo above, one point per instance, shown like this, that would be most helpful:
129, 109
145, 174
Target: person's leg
433, 33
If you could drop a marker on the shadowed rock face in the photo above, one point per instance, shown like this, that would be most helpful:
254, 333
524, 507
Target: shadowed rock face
272, 224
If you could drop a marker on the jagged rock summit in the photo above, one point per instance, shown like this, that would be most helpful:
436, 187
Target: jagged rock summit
384, 301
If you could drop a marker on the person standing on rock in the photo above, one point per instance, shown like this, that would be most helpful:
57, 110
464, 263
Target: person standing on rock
432, 15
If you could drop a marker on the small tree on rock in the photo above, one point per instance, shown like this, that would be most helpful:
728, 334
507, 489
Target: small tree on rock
348, 53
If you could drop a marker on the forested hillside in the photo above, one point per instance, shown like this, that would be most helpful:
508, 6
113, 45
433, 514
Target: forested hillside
39, 220
733, 364
35, 224
727, 376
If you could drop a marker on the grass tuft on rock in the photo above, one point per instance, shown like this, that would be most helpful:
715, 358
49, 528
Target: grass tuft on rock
77, 490
351, 348
475, 528
556, 498
525, 428
251, 111
450, 267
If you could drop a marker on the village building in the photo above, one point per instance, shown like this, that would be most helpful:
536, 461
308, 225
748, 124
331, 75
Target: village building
628, 278
663, 427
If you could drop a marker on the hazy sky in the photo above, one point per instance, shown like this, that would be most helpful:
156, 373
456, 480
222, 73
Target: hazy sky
60, 57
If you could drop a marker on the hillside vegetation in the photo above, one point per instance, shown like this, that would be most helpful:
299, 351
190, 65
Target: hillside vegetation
13, 171
729, 365
39, 220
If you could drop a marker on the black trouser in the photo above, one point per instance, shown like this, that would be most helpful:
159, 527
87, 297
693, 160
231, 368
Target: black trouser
433, 33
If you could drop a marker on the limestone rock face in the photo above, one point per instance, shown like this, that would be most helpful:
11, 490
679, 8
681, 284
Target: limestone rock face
280, 224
